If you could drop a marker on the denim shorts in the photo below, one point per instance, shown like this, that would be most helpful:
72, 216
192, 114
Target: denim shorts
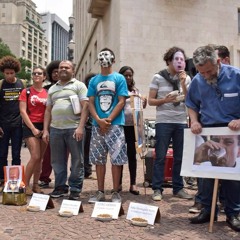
113, 142
27, 132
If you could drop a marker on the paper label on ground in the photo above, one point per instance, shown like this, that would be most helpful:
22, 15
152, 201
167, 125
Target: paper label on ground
142, 210
39, 200
70, 205
106, 208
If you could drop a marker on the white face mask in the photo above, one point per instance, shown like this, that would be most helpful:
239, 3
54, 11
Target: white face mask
178, 62
105, 59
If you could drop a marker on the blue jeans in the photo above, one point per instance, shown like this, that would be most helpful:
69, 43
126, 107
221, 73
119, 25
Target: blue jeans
198, 196
231, 193
62, 141
164, 133
15, 134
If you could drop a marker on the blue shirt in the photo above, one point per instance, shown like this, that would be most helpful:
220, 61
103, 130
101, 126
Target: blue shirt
219, 103
106, 90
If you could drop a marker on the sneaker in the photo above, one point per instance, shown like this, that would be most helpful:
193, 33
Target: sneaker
157, 195
119, 189
74, 195
196, 208
116, 197
100, 196
43, 184
182, 194
59, 192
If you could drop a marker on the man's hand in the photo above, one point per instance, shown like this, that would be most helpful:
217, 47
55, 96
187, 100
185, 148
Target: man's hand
45, 136
234, 125
202, 152
196, 127
104, 125
78, 134
182, 77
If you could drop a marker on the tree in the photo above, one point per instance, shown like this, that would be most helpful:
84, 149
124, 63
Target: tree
25, 72
5, 50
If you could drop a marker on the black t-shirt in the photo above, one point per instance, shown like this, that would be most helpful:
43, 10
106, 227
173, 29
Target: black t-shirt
9, 105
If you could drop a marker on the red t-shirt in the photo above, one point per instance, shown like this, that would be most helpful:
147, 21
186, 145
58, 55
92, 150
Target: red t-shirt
36, 104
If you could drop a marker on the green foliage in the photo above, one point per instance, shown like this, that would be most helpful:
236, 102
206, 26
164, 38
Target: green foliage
5, 50
25, 72
26, 65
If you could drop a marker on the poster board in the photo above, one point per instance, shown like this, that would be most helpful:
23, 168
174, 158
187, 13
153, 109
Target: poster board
137, 111
212, 168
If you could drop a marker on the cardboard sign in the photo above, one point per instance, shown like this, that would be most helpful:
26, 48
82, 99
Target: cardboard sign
40, 200
150, 213
112, 208
136, 102
71, 205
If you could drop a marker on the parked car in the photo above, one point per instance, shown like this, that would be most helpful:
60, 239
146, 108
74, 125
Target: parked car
149, 128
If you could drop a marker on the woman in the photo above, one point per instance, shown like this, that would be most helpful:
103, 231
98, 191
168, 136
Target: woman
128, 73
32, 108
52, 73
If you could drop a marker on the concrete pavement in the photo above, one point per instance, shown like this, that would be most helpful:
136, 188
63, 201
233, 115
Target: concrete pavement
19, 224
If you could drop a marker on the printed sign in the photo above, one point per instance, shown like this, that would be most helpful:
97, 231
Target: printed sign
111, 208
40, 200
150, 213
71, 205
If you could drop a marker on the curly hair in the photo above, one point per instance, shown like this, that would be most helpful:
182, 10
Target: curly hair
50, 67
168, 56
9, 62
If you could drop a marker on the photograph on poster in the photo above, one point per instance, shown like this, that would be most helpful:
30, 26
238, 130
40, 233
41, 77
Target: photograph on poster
215, 153
14, 178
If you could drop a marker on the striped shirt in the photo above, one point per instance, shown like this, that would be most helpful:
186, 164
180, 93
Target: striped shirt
62, 110
167, 112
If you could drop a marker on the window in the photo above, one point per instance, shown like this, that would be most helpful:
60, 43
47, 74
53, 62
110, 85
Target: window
3, 15
95, 51
90, 61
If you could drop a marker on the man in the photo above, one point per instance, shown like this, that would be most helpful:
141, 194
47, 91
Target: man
52, 73
10, 118
224, 57
212, 94
171, 120
219, 151
107, 93
223, 54
66, 131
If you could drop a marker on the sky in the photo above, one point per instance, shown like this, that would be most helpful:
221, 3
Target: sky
62, 8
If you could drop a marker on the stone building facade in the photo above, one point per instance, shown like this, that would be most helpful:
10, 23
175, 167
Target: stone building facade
140, 32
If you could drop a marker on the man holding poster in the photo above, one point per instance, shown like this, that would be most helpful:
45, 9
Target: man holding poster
214, 92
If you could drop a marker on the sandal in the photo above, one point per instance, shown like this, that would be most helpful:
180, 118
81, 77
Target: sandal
29, 191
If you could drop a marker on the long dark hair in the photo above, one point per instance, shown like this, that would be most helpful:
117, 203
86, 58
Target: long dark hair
122, 70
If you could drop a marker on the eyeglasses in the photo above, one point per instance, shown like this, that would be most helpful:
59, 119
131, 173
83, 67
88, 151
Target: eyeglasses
218, 92
37, 73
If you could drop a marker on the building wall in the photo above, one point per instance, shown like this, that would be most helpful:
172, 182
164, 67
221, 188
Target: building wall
56, 32
21, 31
140, 32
